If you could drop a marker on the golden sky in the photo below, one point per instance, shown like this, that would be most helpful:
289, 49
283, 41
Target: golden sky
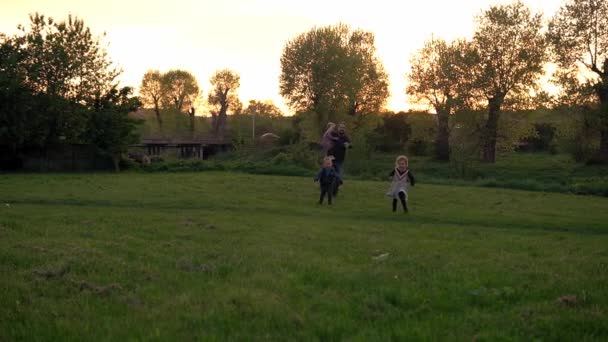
248, 36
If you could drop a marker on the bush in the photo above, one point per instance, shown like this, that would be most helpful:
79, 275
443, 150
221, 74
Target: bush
542, 139
418, 147
281, 158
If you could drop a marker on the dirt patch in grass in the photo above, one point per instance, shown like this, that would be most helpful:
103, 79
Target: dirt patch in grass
189, 222
186, 264
98, 289
53, 272
569, 300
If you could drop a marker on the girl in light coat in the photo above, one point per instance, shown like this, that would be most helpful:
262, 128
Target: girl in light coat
401, 179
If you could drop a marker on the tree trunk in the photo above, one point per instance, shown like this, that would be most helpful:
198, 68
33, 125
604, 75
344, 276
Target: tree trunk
158, 117
491, 130
221, 121
442, 140
602, 92
192, 122
603, 153
116, 161
221, 126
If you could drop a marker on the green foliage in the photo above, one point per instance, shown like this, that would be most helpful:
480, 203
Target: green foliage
52, 75
530, 171
331, 70
439, 78
579, 136
151, 92
309, 126
179, 90
223, 97
510, 55
262, 108
579, 40
543, 138
393, 133
64, 59
111, 129
423, 132
240, 126
228, 256
176, 125
20, 121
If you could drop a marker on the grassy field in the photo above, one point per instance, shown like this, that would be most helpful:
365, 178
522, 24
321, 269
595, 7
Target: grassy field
515, 170
217, 256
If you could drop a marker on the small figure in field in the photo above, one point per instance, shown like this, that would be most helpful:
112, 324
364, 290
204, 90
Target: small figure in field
329, 138
327, 178
401, 178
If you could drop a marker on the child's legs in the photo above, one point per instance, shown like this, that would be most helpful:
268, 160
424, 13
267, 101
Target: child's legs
394, 204
403, 199
323, 192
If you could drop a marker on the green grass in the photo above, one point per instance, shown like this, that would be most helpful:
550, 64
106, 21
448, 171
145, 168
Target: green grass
523, 171
222, 256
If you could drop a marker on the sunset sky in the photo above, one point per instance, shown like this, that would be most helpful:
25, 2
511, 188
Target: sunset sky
248, 36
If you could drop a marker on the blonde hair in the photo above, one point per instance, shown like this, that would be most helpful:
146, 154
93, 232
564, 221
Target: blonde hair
401, 157
330, 124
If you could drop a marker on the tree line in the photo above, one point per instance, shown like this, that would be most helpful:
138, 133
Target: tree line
332, 72
57, 84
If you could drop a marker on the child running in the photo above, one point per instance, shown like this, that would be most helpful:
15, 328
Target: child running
327, 178
401, 178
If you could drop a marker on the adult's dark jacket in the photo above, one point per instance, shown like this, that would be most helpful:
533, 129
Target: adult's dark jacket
339, 150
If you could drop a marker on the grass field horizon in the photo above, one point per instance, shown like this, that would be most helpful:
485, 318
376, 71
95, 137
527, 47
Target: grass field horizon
219, 255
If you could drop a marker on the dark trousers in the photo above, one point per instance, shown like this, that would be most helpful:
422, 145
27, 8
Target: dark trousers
338, 167
403, 202
326, 189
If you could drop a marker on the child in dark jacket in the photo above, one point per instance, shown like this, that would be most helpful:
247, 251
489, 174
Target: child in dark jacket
401, 179
327, 178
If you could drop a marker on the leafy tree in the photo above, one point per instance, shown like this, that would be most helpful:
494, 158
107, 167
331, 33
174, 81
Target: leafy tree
510, 52
331, 70
262, 108
579, 39
110, 128
151, 93
223, 96
179, 89
64, 59
438, 78
65, 69
16, 101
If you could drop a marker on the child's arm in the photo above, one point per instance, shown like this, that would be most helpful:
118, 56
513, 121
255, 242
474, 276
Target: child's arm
411, 177
391, 175
318, 176
330, 135
338, 176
